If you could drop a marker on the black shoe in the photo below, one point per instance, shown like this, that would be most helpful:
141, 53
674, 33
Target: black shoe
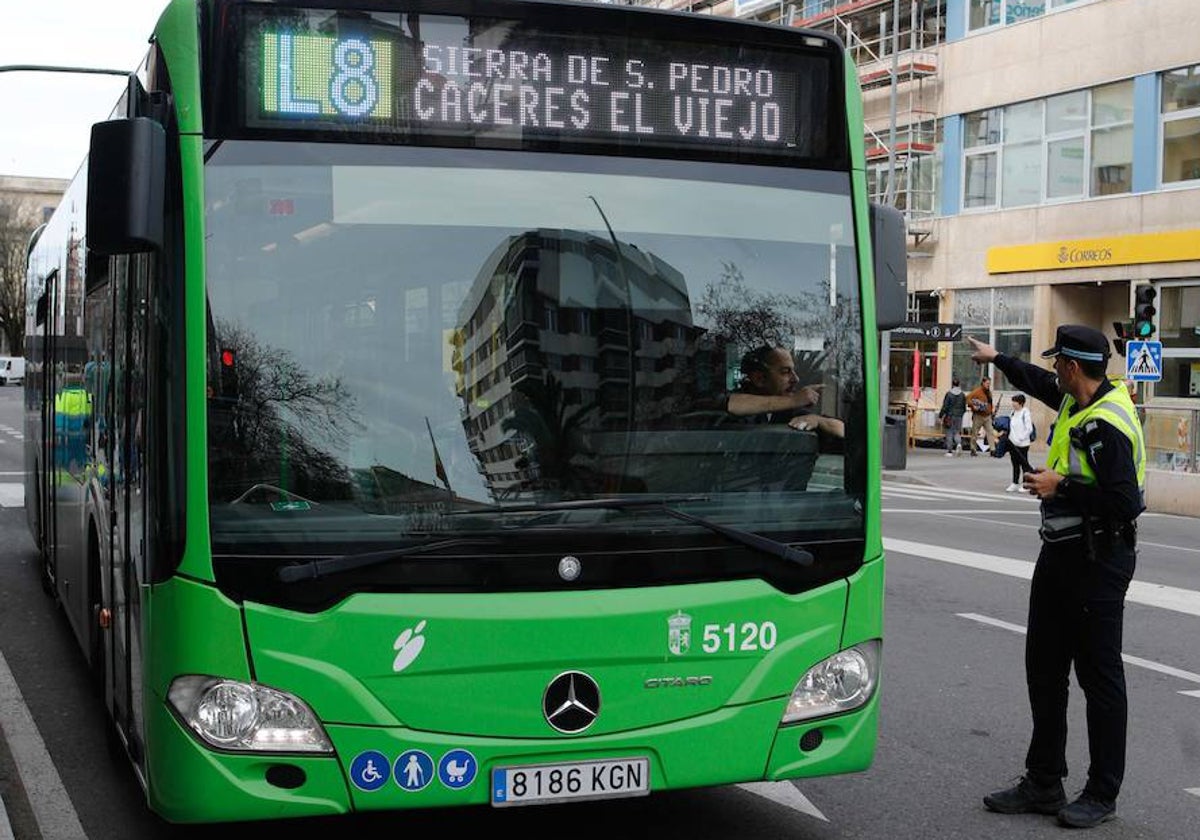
1087, 811
1028, 797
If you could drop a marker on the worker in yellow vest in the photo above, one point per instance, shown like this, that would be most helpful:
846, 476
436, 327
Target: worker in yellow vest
1092, 491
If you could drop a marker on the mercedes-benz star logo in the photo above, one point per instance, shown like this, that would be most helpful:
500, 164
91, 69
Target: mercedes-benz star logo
571, 702
569, 568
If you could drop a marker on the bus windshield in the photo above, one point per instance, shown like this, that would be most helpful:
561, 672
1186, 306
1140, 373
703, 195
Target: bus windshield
405, 344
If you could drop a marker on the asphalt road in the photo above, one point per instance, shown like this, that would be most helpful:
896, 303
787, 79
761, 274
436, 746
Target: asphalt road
954, 722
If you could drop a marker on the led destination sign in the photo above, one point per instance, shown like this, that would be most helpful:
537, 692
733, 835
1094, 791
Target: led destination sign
452, 76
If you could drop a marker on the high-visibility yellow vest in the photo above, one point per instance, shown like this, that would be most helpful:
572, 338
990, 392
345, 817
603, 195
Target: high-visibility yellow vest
73, 402
1115, 408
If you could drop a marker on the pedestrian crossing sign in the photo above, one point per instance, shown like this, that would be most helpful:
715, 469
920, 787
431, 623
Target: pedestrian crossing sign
1143, 361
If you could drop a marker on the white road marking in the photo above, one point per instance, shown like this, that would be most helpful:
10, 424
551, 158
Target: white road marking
12, 494
994, 622
925, 491
901, 489
973, 559
960, 512
1192, 791
1190, 693
785, 793
1148, 664
52, 808
1168, 547
1172, 598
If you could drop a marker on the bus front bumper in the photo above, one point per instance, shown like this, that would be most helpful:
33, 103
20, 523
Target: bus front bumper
189, 782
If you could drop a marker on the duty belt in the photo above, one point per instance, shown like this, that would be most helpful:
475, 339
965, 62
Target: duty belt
1059, 527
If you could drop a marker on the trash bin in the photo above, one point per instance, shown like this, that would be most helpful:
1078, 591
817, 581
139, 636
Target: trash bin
895, 441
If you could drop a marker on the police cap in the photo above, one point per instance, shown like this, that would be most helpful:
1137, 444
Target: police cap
1079, 342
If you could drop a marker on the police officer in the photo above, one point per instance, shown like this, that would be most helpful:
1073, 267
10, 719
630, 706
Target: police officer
1091, 492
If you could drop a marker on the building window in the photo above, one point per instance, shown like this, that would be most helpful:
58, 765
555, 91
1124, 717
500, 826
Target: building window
1055, 149
984, 13
1181, 125
549, 316
1112, 139
1066, 128
981, 157
1178, 317
1021, 156
1001, 317
923, 307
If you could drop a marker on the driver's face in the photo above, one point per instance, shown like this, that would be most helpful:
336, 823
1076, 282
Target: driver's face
780, 377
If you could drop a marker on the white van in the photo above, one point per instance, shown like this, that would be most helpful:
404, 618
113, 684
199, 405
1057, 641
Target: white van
12, 369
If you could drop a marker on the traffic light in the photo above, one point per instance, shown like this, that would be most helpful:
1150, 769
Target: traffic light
1143, 311
1124, 332
229, 374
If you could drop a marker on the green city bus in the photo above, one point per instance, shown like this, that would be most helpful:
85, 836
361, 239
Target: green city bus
378, 447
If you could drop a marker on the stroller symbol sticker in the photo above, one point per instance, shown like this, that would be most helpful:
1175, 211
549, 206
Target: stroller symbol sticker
457, 769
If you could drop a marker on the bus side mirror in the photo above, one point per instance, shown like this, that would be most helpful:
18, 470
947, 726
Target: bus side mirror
888, 242
125, 186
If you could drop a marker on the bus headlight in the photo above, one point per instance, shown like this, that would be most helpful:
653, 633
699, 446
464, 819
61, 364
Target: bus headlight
247, 717
840, 683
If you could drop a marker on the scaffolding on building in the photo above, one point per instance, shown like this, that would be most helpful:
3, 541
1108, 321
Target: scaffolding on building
898, 63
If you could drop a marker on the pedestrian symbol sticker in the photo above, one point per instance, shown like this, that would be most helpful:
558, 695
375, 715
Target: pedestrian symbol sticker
1143, 361
457, 769
414, 770
370, 770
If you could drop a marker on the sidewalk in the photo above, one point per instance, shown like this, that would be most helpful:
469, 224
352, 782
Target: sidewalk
983, 474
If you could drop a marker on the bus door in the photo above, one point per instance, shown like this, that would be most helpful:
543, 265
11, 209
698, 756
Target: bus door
48, 309
98, 382
128, 569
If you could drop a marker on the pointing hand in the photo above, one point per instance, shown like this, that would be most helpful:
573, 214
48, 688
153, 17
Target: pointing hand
981, 352
808, 395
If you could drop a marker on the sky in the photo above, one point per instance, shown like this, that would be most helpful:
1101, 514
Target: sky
45, 119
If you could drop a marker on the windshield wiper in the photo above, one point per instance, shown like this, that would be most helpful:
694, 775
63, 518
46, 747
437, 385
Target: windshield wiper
766, 545
343, 563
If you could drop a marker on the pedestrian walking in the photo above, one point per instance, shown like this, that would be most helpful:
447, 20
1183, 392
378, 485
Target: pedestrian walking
1020, 438
954, 406
981, 405
1092, 492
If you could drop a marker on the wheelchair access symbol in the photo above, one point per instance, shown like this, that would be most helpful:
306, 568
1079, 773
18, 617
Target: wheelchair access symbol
370, 770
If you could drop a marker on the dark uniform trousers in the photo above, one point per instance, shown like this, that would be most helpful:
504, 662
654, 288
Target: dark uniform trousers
1076, 608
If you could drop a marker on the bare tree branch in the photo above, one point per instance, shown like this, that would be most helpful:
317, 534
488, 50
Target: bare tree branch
17, 222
